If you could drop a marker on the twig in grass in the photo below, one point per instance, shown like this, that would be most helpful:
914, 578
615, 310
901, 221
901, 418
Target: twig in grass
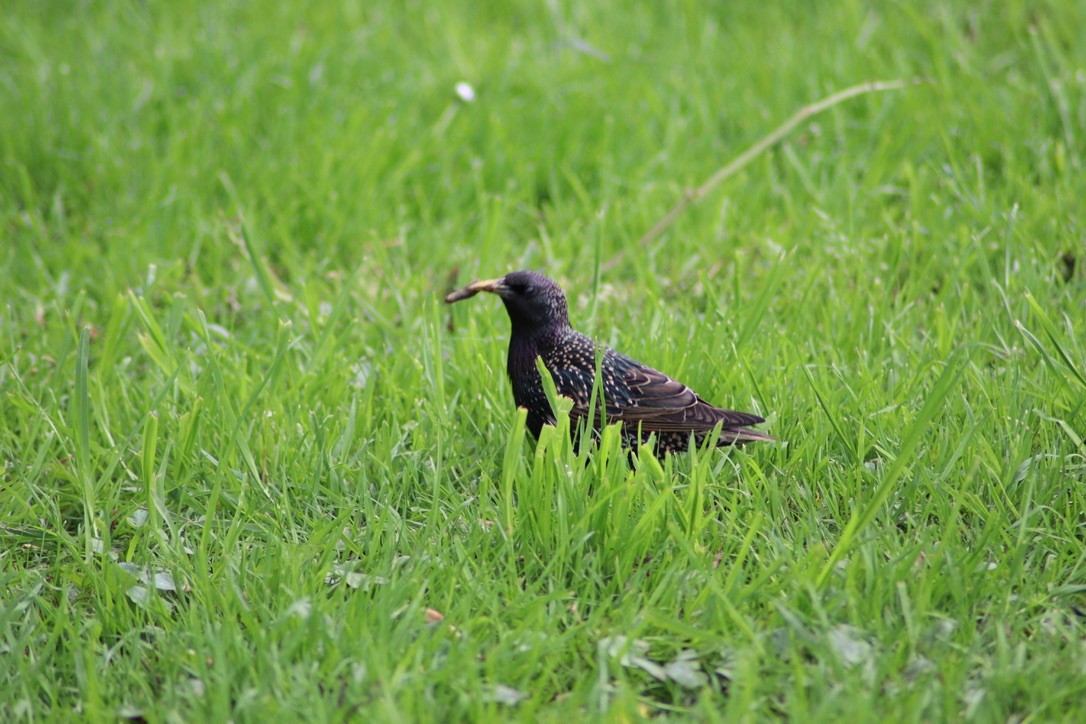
692, 196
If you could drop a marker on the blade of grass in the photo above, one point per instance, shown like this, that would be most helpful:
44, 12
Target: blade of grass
1054, 337
82, 444
755, 312
910, 440
829, 415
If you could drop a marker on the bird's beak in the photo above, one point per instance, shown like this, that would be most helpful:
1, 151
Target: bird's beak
494, 286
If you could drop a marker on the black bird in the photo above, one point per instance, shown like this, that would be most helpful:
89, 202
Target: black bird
645, 401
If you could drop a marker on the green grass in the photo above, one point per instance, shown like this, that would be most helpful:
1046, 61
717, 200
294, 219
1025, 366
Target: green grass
249, 458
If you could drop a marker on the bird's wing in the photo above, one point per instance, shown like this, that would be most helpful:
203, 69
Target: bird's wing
637, 394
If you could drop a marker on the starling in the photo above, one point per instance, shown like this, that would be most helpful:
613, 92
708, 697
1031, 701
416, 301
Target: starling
645, 401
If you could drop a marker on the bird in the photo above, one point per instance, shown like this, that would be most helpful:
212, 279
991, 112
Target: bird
649, 404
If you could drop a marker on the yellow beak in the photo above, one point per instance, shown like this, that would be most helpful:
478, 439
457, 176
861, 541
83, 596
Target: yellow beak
494, 286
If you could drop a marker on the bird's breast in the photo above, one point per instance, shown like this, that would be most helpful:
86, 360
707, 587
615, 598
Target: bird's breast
522, 370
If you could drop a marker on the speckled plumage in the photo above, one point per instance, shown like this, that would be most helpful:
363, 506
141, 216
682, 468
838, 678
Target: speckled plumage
645, 401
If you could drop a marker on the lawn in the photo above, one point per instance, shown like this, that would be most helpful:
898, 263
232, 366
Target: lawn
252, 467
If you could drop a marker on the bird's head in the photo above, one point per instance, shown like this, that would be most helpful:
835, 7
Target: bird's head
533, 301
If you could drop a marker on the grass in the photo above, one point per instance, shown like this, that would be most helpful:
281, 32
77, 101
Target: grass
252, 466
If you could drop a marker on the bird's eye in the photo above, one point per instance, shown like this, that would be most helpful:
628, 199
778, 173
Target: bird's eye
527, 289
